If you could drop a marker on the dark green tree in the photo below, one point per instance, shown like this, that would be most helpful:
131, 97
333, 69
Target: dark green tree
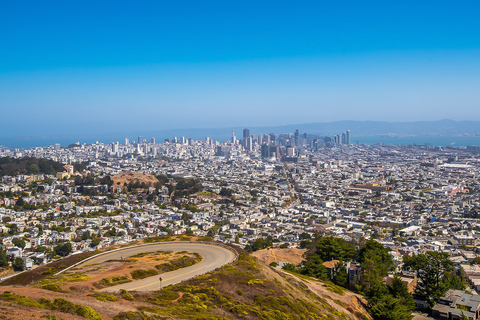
3, 258
330, 248
390, 308
289, 267
399, 291
453, 281
19, 242
431, 268
314, 267
18, 264
380, 254
63, 249
340, 277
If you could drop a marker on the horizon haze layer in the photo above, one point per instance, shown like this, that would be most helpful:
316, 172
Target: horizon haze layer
442, 133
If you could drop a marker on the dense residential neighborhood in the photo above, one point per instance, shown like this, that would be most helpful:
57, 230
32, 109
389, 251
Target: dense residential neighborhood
257, 192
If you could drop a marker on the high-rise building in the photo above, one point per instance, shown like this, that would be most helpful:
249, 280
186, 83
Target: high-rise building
296, 137
152, 140
343, 138
126, 141
183, 140
139, 139
248, 143
273, 139
348, 137
57, 146
265, 149
114, 147
290, 152
246, 133
234, 139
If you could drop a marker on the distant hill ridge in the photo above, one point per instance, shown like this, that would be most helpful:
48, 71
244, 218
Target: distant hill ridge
358, 128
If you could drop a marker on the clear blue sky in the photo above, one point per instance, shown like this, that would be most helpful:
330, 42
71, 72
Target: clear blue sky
103, 66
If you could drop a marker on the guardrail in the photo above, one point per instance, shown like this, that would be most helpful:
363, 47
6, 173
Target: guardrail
150, 244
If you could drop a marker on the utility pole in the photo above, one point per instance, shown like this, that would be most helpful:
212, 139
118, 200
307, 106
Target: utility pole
160, 283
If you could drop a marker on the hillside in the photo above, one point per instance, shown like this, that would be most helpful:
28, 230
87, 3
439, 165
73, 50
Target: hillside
246, 289
136, 178
28, 165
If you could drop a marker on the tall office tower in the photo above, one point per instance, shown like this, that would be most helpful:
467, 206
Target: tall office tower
234, 139
114, 147
315, 145
175, 140
139, 139
190, 141
249, 143
273, 139
296, 137
260, 138
208, 141
305, 135
348, 137
57, 146
152, 140
246, 133
290, 152
343, 138
265, 151
183, 140
337, 139
126, 141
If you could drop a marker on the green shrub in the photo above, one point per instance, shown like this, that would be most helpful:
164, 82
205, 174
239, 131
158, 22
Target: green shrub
50, 271
87, 313
59, 304
104, 296
142, 274
163, 295
64, 305
128, 296
55, 288
111, 281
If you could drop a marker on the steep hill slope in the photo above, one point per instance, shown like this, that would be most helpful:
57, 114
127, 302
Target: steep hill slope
246, 289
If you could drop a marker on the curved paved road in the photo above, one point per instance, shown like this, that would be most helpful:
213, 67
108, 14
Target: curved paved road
213, 257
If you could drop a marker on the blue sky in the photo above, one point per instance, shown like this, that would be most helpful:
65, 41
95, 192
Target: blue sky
89, 66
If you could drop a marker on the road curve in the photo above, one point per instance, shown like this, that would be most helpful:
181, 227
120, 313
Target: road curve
214, 256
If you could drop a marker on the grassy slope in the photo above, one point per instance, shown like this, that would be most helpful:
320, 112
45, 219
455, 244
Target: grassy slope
248, 289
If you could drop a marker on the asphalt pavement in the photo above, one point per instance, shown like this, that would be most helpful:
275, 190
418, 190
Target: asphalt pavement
213, 257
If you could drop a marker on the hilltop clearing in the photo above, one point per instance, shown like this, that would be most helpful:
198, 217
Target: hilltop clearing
125, 178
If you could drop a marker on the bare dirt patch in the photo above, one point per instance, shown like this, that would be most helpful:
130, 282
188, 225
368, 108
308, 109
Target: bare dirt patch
133, 177
291, 255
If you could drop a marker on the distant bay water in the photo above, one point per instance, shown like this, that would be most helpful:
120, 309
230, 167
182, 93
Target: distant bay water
457, 141
441, 141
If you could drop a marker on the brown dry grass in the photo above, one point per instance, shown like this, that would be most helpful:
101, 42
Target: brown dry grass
129, 176
292, 255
